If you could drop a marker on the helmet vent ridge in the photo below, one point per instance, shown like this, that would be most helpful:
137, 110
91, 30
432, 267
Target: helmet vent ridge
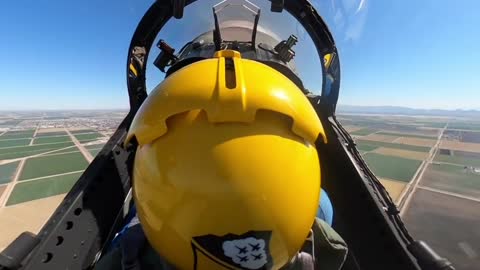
230, 78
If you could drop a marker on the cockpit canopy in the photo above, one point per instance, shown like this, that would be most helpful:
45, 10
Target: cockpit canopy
276, 39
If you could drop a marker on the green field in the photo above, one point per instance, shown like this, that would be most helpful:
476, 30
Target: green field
37, 189
16, 142
458, 160
407, 135
15, 136
71, 151
66, 150
88, 136
82, 131
363, 131
394, 145
21, 132
366, 147
87, 141
54, 164
23, 151
49, 134
52, 139
95, 146
94, 152
7, 171
395, 168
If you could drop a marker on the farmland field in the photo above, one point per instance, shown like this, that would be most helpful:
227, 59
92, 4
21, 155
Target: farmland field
94, 152
23, 151
458, 160
466, 154
37, 189
412, 135
50, 134
2, 189
394, 145
401, 153
88, 136
362, 132
53, 139
95, 146
28, 132
465, 125
53, 164
14, 142
15, 136
78, 131
470, 137
27, 216
460, 146
394, 188
452, 178
432, 124
22, 131
416, 141
68, 149
365, 147
390, 167
352, 128
448, 224
7, 171
380, 138
63, 151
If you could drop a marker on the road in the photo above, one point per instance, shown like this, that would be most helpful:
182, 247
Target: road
448, 193
34, 135
49, 176
11, 185
82, 149
405, 198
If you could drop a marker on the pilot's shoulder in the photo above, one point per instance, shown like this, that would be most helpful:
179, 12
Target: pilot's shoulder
329, 247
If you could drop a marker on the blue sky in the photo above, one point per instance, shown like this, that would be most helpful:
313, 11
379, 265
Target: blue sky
72, 54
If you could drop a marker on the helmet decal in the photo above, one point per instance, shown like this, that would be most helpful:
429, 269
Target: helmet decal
246, 251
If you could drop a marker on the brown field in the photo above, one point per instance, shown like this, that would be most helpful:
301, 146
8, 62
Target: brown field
29, 216
436, 219
2, 189
78, 128
460, 146
438, 176
393, 187
431, 130
48, 130
415, 141
352, 128
380, 138
401, 153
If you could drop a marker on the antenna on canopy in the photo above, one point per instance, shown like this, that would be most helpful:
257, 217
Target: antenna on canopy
178, 6
277, 5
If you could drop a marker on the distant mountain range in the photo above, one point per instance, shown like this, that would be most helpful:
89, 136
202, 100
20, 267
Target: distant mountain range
405, 111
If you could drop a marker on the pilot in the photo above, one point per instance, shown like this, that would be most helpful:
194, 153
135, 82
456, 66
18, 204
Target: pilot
226, 174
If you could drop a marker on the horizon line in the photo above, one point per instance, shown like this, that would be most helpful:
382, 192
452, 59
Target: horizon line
127, 109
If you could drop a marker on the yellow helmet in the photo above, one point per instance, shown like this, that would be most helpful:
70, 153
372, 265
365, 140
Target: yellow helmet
226, 174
